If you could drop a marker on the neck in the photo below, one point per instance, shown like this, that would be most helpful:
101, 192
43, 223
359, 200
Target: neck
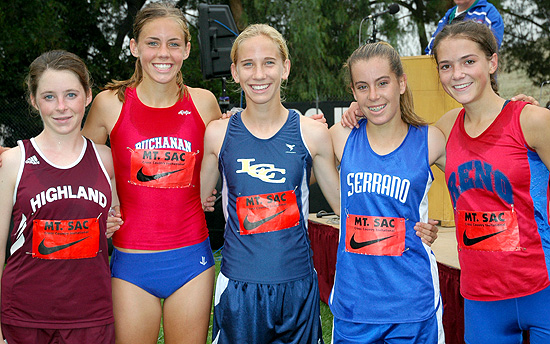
264, 120
60, 149
385, 138
157, 95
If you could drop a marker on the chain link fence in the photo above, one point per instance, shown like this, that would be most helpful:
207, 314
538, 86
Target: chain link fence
17, 122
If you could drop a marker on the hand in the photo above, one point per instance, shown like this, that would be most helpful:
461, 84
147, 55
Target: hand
320, 117
208, 205
427, 231
231, 112
351, 116
524, 98
114, 221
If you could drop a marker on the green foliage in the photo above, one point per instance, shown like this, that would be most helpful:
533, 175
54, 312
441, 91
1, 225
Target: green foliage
526, 43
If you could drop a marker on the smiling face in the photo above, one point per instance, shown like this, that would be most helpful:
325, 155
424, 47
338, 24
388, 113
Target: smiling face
259, 69
61, 100
161, 48
377, 90
464, 69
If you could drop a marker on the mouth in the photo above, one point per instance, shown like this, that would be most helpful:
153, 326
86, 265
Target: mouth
462, 86
376, 108
259, 87
162, 66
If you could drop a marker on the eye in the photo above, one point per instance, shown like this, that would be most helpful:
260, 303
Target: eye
48, 97
383, 83
71, 95
444, 67
362, 87
174, 45
470, 62
270, 63
152, 44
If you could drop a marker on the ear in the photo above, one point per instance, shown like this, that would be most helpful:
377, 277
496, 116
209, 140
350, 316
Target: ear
403, 84
187, 50
34, 104
134, 48
89, 97
493, 64
286, 69
234, 73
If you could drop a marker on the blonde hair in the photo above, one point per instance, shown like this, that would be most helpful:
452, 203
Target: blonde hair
147, 14
386, 51
257, 30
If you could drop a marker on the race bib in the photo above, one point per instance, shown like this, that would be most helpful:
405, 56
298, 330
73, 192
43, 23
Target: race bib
65, 239
375, 235
488, 230
161, 168
267, 213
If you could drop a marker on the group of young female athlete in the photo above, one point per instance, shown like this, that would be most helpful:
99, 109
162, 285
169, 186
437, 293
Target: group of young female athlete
57, 285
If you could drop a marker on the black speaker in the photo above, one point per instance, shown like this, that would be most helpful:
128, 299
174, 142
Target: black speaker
217, 32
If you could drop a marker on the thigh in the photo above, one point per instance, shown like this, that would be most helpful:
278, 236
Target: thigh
535, 317
488, 322
137, 314
186, 313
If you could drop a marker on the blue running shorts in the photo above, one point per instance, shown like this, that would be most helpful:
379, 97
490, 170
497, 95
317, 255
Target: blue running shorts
429, 331
503, 321
162, 273
267, 313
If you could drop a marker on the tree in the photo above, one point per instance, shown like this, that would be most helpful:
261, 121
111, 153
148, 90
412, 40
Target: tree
526, 43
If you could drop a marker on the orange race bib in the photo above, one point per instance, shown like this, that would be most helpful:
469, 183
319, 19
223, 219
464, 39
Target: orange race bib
267, 213
375, 235
65, 239
488, 230
161, 168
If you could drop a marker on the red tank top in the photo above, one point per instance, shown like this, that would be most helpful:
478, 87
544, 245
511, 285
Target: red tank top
498, 186
57, 276
157, 154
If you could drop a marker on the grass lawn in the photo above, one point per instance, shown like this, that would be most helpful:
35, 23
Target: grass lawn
326, 315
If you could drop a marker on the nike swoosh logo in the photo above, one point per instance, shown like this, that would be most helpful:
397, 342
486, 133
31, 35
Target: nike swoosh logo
357, 245
253, 225
45, 250
473, 241
142, 177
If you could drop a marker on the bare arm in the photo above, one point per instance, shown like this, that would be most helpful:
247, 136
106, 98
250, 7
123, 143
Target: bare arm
535, 123
318, 140
213, 139
8, 176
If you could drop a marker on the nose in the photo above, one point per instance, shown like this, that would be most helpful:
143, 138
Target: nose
61, 105
163, 51
458, 73
373, 94
259, 72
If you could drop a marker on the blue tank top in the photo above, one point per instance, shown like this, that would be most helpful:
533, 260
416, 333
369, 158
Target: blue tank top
265, 201
384, 273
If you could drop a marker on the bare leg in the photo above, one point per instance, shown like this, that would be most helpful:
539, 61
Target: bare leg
137, 314
187, 311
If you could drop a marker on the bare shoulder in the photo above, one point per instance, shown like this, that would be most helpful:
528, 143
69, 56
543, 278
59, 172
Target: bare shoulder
206, 103
215, 134
446, 122
106, 157
535, 124
311, 127
107, 101
11, 160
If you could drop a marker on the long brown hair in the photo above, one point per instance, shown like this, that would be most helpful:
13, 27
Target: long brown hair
386, 51
147, 14
475, 32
